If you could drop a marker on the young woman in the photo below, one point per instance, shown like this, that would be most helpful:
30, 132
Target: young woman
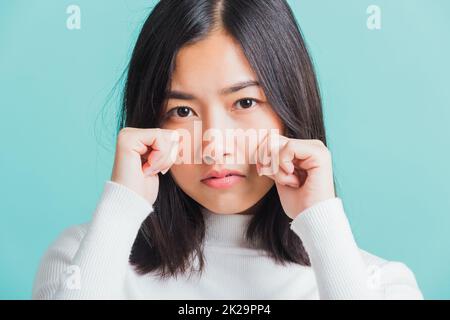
213, 227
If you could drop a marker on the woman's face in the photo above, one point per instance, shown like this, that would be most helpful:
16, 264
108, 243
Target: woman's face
206, 113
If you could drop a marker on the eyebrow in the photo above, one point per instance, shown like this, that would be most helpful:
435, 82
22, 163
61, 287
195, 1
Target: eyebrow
174, 94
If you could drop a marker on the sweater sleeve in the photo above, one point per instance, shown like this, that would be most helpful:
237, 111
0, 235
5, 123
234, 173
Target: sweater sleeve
342, 270
91, 262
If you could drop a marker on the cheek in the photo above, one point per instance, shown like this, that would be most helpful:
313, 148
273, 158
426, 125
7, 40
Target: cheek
270, 119
185, 176
180, 172
264, 118
263, 123
261, 184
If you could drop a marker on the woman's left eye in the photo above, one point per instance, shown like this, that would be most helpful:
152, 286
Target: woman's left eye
246, 103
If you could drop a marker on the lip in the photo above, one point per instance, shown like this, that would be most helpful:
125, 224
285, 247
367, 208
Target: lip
223, 179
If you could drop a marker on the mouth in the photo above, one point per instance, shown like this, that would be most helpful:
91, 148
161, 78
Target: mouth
223, 179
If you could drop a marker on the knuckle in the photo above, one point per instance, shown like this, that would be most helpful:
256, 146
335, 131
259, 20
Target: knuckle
294, 142
124, 134
286, 146
174, 135
318, 142
125, 130
326, 153
320, 145
170, 135
158, 132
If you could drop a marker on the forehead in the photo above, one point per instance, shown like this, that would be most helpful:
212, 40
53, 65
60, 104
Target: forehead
211, 63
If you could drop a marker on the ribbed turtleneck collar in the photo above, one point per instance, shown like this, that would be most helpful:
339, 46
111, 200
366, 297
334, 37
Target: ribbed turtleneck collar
226, 229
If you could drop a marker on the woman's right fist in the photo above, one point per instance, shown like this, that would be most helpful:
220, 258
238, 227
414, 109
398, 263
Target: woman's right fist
140, 155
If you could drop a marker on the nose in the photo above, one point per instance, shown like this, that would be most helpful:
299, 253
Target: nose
216, 148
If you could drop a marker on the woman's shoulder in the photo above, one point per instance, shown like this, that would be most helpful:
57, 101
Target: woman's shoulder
69, 238
66, 242
377, 262
57, 259
75, 232
394, 277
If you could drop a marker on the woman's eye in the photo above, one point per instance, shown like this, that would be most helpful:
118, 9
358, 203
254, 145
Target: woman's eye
246, 103
184, 111
181, 112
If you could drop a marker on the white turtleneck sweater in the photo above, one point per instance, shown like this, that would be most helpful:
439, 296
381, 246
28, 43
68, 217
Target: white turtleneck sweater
90, 261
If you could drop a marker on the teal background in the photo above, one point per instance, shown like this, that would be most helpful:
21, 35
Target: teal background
386, 105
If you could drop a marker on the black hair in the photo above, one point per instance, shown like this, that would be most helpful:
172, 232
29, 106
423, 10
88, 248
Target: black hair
169, 241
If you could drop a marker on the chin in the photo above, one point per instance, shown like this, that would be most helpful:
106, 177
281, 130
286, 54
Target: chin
225, 208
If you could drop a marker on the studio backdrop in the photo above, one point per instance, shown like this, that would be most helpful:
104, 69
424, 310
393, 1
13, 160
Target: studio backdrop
383, 68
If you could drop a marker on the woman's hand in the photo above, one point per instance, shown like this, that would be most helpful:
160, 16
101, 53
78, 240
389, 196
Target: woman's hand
140, 155
301, 169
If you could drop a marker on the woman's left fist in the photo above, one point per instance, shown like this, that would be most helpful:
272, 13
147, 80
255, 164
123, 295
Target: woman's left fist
302, 171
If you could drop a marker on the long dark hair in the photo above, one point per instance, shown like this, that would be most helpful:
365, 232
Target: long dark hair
170, 240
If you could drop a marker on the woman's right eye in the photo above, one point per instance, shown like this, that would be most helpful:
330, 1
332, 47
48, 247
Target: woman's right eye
181, 112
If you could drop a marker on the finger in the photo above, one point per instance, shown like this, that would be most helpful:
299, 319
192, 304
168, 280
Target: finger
308, 153
162, 160
164, 141
271, 141
141, 139
286, 179
263, 152
281, 172
272, 145
286, 165
170, 159
281, 177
